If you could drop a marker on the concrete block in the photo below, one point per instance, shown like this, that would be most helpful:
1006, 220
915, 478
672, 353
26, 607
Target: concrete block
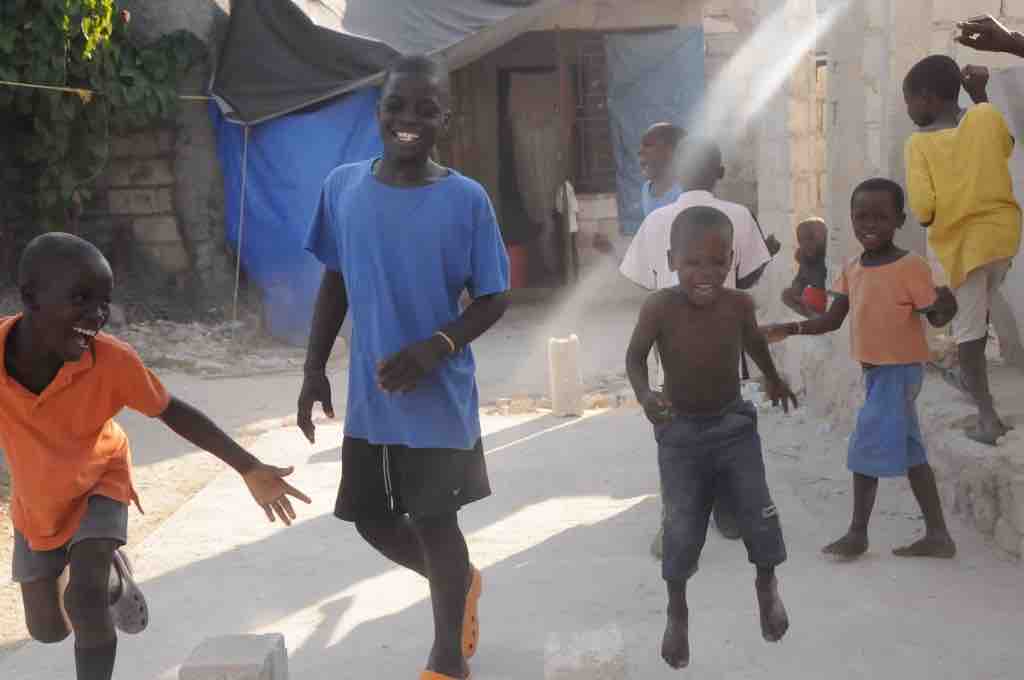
170, 257
140, 201
162, 229
141, 173
238, 657
1007, 538
149, 144
586, 655
566, 387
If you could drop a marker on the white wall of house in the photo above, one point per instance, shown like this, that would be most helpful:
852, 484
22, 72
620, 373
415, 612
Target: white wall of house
870, 51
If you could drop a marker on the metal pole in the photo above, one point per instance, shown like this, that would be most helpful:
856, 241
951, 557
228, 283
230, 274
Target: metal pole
241, 220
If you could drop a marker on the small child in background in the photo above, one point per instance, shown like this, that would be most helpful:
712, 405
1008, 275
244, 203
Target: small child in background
960, 189
807, 294
885, 291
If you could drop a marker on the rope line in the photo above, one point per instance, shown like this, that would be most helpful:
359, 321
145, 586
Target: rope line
86, 94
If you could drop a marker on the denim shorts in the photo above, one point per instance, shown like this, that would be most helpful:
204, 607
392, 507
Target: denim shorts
887, 440
105, 518
704, 457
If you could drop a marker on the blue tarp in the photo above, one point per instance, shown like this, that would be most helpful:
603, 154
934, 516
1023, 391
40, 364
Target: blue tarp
652, 77
288, 160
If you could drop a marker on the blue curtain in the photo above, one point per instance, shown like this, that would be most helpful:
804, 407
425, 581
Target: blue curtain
652, 77
288, 160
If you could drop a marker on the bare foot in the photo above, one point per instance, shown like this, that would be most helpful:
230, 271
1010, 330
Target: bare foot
849, 547
939, 545
774, 620
675, 645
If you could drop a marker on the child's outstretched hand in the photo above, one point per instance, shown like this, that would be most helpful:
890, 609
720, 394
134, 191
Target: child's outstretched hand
780, 394
270, 491
657, 408
986, 34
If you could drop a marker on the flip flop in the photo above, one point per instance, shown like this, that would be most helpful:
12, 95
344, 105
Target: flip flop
470, 620
432, 675
130, 611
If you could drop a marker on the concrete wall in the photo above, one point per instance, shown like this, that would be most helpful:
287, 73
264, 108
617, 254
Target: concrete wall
788, 175
723, 40
137, 200
198, 183
870, 50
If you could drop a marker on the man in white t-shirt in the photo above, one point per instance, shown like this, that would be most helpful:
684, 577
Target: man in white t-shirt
646, 261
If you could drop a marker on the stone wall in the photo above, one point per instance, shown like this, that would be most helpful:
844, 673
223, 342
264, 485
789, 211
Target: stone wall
140, 196
163, 191
198, 197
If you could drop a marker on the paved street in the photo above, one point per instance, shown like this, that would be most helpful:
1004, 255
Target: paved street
570, 590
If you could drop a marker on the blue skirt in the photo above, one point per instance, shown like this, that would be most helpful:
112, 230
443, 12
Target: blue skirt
888, 441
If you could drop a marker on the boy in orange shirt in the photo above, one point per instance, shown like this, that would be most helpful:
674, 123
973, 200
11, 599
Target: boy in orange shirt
885, 291
61, 383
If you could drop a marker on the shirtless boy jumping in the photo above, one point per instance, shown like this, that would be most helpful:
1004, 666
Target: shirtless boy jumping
706, 433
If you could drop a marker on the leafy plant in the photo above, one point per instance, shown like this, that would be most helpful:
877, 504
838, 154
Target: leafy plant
63, 139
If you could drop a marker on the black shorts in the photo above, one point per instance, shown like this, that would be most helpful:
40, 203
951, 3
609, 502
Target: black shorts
380, 481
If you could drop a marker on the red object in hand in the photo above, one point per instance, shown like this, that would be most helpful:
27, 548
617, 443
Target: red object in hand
815, 298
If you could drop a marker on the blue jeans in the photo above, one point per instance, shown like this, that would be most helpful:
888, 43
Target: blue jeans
701, 458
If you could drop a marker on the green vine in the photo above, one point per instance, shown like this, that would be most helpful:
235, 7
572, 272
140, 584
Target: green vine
61, 142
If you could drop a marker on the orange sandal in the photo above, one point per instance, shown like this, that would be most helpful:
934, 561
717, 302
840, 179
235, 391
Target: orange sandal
470, 620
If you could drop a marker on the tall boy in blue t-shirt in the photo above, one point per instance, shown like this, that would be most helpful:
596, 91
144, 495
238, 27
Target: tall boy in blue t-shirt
401, 238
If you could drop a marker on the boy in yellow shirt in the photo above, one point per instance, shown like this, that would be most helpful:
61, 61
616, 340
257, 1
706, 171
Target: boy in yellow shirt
959, 185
